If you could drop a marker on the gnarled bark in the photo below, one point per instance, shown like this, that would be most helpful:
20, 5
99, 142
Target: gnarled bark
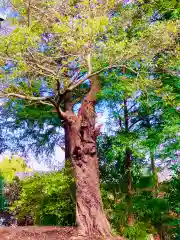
82, 133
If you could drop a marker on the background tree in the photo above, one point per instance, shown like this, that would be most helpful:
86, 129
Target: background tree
152, 127
3, 199
47, 198
11, 166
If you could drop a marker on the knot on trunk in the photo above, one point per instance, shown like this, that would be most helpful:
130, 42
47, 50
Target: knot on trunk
77, 153
93, 151
84, 124
85, 159
90, 149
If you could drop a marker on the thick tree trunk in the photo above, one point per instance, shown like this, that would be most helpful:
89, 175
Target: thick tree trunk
82, 135
89, 211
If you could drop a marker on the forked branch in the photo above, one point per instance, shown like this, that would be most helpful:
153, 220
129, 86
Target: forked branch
72, 87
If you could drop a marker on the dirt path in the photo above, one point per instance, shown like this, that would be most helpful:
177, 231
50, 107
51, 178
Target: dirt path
37, 233
41, 233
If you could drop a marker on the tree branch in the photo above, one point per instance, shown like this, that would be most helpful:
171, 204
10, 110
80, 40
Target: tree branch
8, 59
96, 73
89, 64
133, 105
30, 98
135, 123
42, 100
41, 73
46, 103
40, 66
46, 69
60, 112
29, 12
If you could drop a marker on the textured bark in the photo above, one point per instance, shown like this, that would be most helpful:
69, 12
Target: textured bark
81, 134
67, 141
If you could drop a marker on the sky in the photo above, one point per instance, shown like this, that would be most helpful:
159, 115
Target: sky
58, 160
33, 164
4, 3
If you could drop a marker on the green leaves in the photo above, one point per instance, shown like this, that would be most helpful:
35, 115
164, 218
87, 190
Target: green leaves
10, 166
3, 199
47, 199
136, 232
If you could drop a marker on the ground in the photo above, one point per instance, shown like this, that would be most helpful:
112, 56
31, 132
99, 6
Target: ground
41, 233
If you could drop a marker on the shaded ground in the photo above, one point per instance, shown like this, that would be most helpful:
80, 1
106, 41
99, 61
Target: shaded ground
41, 233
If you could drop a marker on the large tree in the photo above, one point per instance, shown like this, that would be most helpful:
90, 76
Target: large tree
63, 46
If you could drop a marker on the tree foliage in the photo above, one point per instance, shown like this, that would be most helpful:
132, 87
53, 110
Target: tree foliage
9, 167
48, 198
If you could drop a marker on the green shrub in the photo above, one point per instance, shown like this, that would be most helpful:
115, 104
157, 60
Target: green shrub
47, 198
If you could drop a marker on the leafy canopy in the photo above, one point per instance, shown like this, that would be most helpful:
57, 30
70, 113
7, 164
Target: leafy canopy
54, 42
